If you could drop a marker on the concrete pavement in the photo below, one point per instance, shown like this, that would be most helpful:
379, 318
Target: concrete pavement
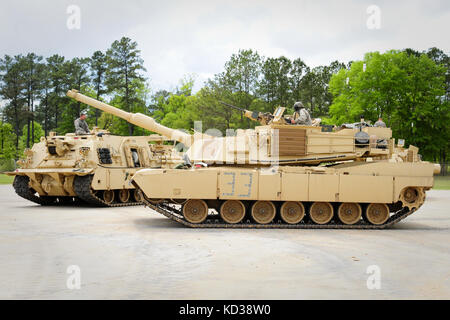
135, 253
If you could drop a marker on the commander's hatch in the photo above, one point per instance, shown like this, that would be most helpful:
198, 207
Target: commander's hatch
278, 114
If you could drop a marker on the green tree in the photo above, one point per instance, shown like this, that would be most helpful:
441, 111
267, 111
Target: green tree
314, 90
77, 71
158, 102
406, 89
237, 85
442, 59
39, 132
43, 112
56, 74
177, 110
12, 90
7, 138
212, 113
242, 72
98, 72
298, 71
33, 69
123, 75
119, 126
276, 84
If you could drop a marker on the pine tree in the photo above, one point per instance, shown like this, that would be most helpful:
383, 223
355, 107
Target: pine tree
123, 74
98, 71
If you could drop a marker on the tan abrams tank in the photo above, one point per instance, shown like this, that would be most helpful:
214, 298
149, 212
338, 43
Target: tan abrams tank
349, 195
287, 176
93, 168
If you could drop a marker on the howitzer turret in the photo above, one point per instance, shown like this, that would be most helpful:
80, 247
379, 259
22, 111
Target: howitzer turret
93, 168
96, 168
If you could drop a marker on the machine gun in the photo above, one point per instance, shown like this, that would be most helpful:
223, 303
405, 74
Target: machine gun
263, 118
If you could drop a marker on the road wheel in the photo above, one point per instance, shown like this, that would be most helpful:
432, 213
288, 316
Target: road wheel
137, 194
232, 211
124, 195
377, 213
263, 212
195, 211
349, 213
108, 196
321, 212
292, 212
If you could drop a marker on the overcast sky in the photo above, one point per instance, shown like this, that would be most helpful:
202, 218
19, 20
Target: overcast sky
197, 37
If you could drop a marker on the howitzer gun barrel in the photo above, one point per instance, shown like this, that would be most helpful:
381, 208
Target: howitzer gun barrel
137, 119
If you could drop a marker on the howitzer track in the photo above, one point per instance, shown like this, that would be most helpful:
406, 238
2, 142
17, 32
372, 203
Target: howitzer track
214, 221
82, 187
22, 188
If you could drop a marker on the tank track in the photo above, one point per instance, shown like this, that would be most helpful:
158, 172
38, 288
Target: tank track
214, 221
22, 188
82, 187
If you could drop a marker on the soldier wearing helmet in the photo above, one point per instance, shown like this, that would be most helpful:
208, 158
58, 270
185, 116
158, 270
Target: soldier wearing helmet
81, 127
301, 115
380, 123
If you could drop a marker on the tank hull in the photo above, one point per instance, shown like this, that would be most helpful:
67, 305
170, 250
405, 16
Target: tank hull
344, 195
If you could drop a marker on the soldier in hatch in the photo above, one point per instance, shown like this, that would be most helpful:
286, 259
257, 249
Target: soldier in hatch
81, 127
380, 123
301, 115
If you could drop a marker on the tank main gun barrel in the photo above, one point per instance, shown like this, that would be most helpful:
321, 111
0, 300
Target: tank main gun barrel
137, 119
263, 118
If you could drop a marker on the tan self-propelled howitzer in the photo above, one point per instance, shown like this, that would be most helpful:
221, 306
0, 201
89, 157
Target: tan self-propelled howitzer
95, 168
280, 175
